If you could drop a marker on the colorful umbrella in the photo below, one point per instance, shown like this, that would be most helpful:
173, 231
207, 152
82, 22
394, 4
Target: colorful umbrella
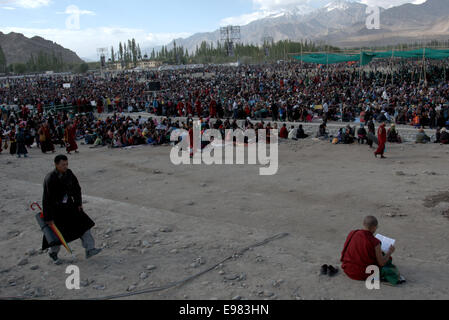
54, 228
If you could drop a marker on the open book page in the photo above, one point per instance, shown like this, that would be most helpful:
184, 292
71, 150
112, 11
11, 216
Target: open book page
386, 242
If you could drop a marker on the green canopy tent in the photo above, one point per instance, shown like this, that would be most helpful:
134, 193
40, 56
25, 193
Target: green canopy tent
366, 57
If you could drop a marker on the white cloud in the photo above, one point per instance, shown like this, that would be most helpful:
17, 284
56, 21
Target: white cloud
27, 4
85, 41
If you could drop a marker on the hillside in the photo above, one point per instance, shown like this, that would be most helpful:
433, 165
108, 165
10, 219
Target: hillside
18, 49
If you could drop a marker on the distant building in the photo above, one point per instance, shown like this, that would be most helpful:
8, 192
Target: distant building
148, 64
143, 65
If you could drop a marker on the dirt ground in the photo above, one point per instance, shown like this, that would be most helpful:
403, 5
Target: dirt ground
159, 223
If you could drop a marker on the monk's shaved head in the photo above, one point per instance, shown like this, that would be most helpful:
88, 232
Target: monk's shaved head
370, 222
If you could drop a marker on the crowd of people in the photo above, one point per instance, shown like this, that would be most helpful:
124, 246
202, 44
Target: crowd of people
47, 112
288, 91
34, 109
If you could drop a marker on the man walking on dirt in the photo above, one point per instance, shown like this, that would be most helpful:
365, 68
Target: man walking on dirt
63, 206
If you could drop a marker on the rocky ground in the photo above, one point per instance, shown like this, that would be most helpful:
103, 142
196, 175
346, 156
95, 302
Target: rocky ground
159, 223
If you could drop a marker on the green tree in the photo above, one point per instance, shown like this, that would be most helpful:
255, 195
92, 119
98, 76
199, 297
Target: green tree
3, 62
20, 68
83, 68
120, 52
112, 54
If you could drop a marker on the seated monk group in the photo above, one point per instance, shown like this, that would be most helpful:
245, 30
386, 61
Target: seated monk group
362, 250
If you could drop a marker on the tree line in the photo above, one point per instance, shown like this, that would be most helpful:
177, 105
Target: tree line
129, 53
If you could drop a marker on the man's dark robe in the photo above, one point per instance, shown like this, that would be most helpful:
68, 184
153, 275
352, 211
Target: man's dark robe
72, 222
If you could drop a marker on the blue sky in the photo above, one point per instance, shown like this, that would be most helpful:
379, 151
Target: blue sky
104, 23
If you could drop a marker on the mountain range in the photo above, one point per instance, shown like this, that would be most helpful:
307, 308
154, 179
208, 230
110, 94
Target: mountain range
18, 49
343, 23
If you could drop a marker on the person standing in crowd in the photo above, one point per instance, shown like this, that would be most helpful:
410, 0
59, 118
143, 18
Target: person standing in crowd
45, 139
12, 141
371, 132
1, 140
382, 136
21, 142
70, 138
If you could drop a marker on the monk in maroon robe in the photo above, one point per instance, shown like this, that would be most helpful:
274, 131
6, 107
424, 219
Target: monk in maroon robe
70, 138
189, 109
213, 109
362, 250
180, 108
284, 132
382, 135
45, 139
199, 108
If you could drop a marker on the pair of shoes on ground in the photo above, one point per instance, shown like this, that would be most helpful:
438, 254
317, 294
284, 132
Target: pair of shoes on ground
89, 254
329, 270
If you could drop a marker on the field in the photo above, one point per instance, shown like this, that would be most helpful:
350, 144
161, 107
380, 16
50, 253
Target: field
159, 223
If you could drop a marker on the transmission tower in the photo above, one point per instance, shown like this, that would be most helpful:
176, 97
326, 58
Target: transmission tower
267, 43
101, 52
229, 35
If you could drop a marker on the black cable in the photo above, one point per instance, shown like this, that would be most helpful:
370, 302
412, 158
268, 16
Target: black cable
174, 284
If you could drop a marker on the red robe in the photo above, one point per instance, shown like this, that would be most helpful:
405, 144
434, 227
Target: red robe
358, 254
189, 108
180, 108
382, 134
100, 106
213, 109
70, 138
199, 109
284, 133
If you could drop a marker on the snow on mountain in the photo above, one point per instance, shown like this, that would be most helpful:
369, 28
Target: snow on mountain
337, 5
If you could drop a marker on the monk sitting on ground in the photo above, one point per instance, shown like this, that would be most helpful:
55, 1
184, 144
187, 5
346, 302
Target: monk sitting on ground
362, 250
284, 132
393, 135
444, 137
